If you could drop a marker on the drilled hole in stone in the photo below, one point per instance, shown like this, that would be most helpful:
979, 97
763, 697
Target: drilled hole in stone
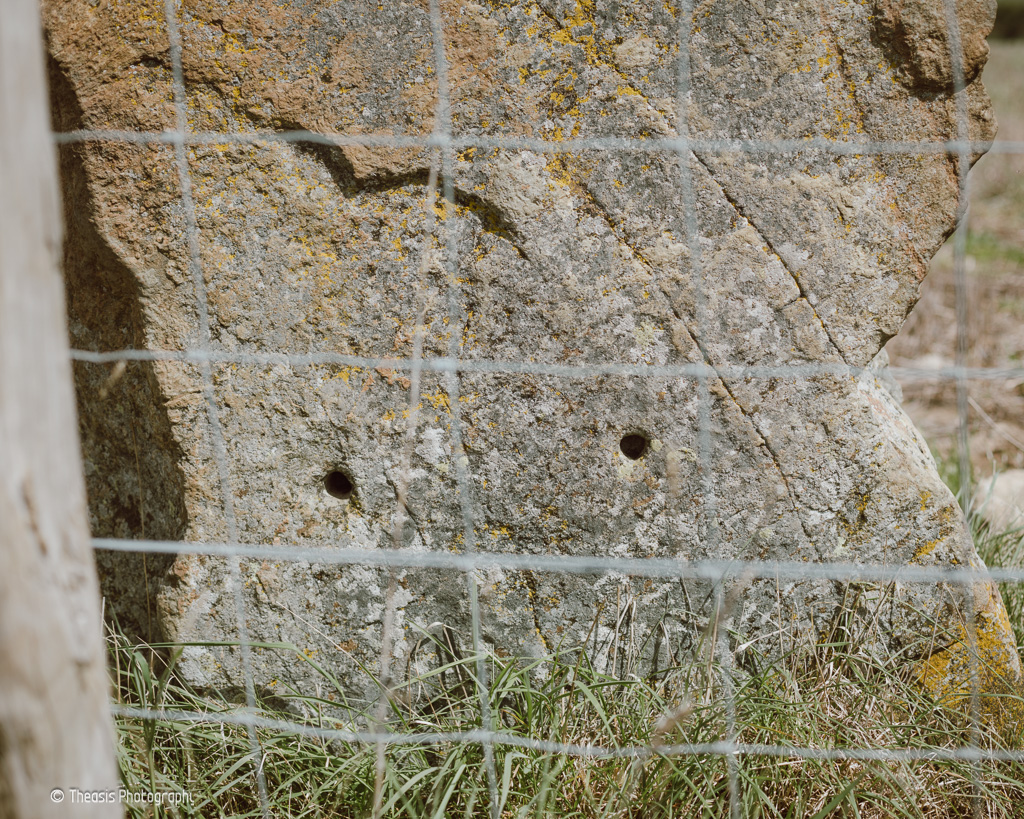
338, 485
633, 446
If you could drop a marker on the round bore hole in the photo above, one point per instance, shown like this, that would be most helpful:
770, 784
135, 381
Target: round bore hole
338, 485
633, 446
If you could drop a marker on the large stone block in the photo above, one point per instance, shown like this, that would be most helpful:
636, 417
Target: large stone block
575, 257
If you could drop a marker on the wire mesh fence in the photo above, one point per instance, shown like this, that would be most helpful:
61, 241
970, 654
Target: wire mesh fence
443, 143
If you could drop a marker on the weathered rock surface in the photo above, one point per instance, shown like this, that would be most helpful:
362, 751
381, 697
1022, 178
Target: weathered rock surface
573, 258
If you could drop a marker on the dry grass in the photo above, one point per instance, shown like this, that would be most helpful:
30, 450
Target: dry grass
836, 697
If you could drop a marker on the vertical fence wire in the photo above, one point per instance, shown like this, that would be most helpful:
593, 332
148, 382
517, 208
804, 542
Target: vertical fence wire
687, 163
402, 482
443, 128
963, 163
209, 392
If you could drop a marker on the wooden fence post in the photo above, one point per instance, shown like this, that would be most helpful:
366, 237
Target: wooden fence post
55, 726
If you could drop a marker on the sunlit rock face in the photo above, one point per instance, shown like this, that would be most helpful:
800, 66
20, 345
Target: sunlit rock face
580, 257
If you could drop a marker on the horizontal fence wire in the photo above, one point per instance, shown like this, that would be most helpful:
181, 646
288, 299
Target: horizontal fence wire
444, 364
547, 146
442, 144
242, 718
572, 564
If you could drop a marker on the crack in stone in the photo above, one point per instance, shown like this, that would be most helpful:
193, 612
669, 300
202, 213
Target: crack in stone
400, 498
533, 597
610, 65
847, 79
707, 359
621, 234
796, 279
624, 238
770, 450
749, 418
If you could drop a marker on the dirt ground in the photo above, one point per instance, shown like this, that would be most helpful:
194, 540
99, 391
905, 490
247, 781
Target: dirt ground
995, 302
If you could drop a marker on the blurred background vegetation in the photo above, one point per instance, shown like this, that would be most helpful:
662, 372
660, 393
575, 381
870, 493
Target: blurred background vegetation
1009, 19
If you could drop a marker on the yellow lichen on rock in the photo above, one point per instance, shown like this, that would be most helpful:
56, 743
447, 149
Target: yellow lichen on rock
983, 657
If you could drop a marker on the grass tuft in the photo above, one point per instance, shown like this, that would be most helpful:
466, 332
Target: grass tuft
840, 699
